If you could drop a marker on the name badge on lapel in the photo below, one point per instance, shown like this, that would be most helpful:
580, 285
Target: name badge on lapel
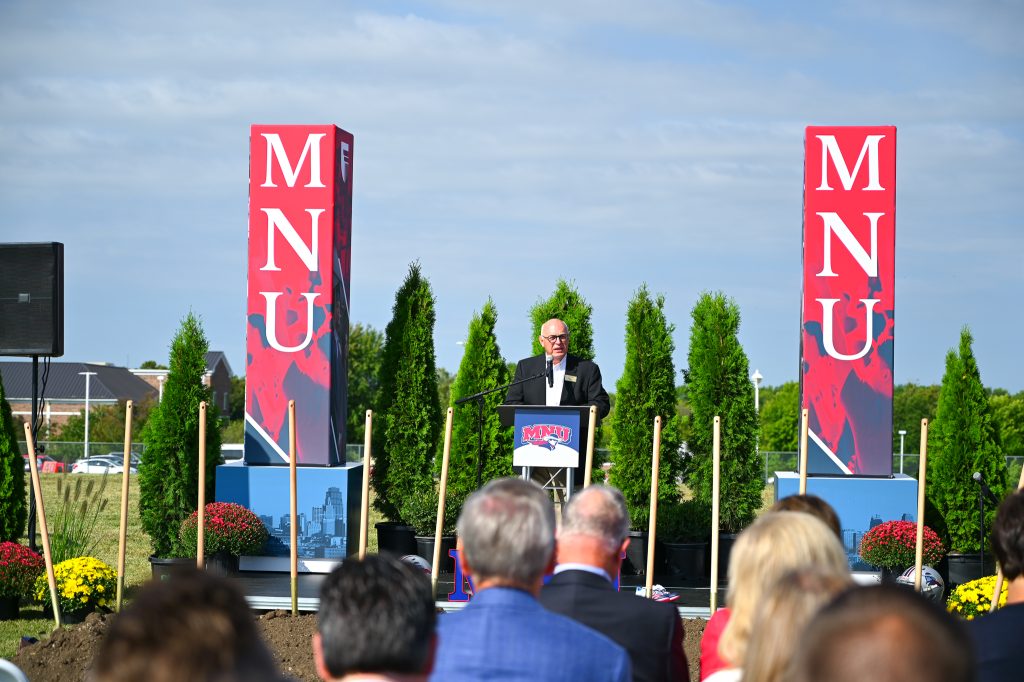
570, 377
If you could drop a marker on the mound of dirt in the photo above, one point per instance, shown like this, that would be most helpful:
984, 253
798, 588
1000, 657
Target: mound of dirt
67, 654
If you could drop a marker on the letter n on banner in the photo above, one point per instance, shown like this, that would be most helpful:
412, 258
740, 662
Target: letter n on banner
300, 228
846, 341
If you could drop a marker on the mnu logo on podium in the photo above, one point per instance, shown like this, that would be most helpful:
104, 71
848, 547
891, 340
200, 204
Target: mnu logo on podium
546, 438
546, 435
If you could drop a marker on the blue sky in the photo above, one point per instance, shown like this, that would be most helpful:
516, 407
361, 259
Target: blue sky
504, 145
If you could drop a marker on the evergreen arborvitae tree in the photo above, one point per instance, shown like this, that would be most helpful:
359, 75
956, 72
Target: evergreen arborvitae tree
646, 390
567, 305
365, 348
408, 403
963, 440
12, 476
168, 485
718, 383
482, 368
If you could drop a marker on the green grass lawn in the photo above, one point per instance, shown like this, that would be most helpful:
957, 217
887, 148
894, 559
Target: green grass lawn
105, 533
137, 551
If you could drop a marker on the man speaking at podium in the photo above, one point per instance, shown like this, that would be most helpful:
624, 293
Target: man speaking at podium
561, 379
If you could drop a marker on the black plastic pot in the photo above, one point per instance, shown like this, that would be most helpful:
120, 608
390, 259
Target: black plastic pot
685, 560
164, 568
396, 538
425, 548
725, 543
963, 568
636, 555
222, 563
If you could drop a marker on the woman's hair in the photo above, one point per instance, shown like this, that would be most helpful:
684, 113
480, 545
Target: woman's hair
777, 542
813, 505
782, 616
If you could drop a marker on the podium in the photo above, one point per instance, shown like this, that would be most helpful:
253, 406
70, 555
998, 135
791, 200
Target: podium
551, 437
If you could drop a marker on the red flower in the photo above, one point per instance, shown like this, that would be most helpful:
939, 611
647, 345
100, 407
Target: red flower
19, 568
229, 527
893, 545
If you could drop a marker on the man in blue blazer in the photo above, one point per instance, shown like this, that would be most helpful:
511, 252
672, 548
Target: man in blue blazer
507, 543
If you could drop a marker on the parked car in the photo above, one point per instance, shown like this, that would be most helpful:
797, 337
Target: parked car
46, 463
100, 464
119, 457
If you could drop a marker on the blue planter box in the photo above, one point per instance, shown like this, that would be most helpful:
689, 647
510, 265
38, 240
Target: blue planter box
329, 502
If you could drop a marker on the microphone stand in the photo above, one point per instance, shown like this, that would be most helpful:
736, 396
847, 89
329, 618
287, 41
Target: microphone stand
981, 530
479, 398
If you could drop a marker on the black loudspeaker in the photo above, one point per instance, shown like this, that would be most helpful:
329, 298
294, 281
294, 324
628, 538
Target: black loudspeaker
32, 299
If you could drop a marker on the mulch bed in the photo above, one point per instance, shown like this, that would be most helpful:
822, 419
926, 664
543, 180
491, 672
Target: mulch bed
67, 654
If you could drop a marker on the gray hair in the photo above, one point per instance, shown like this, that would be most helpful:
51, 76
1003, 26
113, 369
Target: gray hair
598, 512
508, 531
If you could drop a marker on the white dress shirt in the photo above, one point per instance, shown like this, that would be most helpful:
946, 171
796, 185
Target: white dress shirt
554, 393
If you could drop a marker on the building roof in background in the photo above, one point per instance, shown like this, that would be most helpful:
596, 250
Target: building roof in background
64, 383
214, 358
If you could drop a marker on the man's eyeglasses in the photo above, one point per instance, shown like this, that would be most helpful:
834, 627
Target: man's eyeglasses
557, 337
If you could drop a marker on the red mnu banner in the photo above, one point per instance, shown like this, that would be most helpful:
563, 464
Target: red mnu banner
846, 368
300, 226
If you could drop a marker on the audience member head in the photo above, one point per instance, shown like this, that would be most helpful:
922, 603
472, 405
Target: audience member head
780, 620
775, 543
193, 626
595, 528
884, 633
1008, 536
376, 616
813, 505
507, 534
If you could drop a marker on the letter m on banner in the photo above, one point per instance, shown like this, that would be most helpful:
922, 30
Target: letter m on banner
300, 227
847, 319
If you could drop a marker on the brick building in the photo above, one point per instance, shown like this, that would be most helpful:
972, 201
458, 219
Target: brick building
62, 386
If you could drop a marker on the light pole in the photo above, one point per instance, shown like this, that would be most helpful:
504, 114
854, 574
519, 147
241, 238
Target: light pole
902, 432
86, 375
756, 378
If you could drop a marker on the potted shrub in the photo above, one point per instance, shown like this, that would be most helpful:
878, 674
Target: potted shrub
169, 473
231, 531
421, 512
718, 384
84, 584
892, 547
974, 598
19, 568
963, 440
409, 411
683, 528
645, 390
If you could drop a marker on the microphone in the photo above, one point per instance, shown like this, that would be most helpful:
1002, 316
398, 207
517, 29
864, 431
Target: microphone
549, 371
984, 488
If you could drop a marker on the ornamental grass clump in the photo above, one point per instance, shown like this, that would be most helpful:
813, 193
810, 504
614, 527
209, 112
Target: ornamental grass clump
84, 584
974, 598
19, 568
893, 545
229, 528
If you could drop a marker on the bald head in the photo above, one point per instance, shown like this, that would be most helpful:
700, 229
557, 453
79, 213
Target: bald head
596, 515
554, 337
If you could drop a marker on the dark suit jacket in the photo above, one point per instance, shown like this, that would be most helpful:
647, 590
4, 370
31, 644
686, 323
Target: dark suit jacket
504, 634
651, 632
582, 385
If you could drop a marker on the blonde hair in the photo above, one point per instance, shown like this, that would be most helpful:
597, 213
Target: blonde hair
781, 618
777, 542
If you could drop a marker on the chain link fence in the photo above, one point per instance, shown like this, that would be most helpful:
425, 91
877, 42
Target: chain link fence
68, 452
907, 463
